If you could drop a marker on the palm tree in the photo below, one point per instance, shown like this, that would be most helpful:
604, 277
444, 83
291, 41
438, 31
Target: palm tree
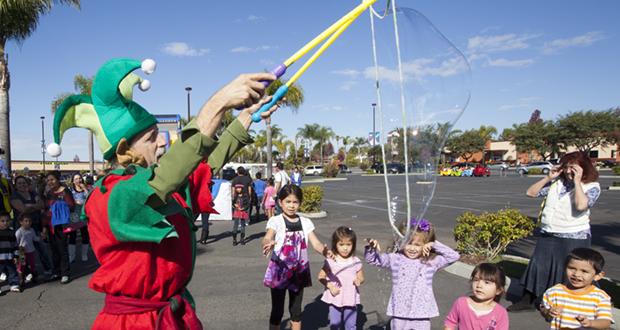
293, 99
487, 133
260, 141
19, 19
346, 140
323, 134
308, 132
82, 85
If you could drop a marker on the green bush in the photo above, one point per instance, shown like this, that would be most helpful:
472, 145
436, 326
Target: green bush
616, 184
616, 170
313, 196
535, 171
487, 235
364, 166
331, 170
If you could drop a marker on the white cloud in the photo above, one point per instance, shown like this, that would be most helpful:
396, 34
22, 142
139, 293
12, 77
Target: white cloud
254, 18
183, 49
348, 85
523, 103
352, 73
583, 40
419, 68
502, 62
245, 49
328, 108
499, 43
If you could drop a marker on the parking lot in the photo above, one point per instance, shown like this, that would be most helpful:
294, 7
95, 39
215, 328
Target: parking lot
364, 197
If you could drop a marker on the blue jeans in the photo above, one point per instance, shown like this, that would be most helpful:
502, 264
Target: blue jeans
8, 267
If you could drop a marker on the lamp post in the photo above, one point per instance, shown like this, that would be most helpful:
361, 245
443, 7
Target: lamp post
43, 141
188, 89
374, 135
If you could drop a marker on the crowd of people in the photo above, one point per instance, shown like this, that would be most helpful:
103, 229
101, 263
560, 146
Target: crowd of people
40, 220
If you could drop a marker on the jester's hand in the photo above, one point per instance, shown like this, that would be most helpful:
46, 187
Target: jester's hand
243, 91
264, 115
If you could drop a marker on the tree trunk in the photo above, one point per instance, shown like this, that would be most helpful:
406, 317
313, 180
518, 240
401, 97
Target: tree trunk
5, 122
321, 149
269, 153
91, 153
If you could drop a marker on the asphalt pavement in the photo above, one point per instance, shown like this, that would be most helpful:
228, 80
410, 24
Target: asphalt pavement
227, 282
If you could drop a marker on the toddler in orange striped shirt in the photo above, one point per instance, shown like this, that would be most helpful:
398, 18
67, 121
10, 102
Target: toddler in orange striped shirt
578, 303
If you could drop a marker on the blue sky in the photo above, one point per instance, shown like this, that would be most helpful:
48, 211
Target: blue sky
556, 56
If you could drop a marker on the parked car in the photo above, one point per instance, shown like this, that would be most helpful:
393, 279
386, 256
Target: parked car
482, 170
392, 168
607, 163
344, 168
313, 170
544, 166
498, 166
377, 167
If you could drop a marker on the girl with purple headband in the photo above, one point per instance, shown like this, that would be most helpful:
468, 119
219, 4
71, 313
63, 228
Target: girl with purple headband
412, 302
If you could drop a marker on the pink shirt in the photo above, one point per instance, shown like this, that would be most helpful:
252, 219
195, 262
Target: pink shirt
462, 315
342, 273
269, 193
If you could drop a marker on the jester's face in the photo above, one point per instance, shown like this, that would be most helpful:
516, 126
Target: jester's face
149, 144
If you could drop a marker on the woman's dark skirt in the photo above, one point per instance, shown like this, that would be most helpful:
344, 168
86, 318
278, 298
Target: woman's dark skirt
546, 267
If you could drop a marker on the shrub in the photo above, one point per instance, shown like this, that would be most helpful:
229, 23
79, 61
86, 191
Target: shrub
487, 235
364, 166
331, 170
535, 171
616, 170
616, 184
313, 196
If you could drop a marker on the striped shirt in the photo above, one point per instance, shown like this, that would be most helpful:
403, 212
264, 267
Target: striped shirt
593, 303
8, 245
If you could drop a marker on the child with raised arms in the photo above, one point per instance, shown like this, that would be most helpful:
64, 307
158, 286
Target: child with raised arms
481, 310
342, 277
288, 236
412, 302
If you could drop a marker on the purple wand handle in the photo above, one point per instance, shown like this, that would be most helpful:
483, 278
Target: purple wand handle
278, 71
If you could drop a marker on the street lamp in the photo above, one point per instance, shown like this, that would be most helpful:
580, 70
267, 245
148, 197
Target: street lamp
43, 141
374, 135
188, 89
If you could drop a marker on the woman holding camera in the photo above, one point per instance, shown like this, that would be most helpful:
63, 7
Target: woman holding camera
570, 190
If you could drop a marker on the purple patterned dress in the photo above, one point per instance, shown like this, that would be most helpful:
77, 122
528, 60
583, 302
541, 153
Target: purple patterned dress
289, 268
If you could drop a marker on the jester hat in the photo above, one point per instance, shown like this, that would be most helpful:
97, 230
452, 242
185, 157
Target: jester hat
110, 113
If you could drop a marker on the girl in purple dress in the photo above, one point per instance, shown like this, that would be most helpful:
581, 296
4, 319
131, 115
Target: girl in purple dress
288, 235
412, 302
342, 277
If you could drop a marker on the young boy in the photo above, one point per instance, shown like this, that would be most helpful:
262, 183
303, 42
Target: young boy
579, 303
8, 252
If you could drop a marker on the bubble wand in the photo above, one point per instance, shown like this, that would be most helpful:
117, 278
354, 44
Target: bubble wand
333, 32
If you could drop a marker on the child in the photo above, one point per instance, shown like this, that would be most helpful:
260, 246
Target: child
269, 199
241, 205
26, 237
341, 278
8, 252
412, 302
579, 304
481, 309
288, 236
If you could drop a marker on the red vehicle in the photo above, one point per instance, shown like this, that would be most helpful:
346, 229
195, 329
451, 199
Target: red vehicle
481, 170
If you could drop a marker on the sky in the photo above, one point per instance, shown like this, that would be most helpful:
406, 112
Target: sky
556, 56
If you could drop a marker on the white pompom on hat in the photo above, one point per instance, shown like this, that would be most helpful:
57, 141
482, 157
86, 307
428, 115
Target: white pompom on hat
148, 66
53, 149
144, 85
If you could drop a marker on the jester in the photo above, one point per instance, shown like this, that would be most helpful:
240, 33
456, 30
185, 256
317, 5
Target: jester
140, 215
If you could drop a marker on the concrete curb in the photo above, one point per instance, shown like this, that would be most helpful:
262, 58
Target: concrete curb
314, 215
324, 180
464, 270
614, 188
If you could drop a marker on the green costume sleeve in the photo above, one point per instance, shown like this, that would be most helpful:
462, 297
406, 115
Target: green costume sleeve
232, 140
180, 161
131, 219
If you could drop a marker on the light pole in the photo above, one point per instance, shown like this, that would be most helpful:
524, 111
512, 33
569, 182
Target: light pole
43, 141
374, 135
188, 89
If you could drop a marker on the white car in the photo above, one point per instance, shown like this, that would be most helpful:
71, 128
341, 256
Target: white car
313, 170
544, 166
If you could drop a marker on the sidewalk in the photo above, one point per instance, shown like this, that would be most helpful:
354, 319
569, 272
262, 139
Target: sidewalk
227, 287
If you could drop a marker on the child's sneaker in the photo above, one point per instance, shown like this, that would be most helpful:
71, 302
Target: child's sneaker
2, 277
28, 278
64, 280
15, 288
